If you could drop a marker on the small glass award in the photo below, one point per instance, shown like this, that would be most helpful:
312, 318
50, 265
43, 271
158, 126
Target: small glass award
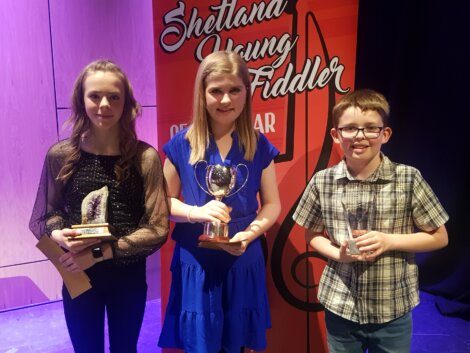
359, 218
94, 212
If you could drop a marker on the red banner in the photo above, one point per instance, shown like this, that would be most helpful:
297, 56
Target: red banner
301, 56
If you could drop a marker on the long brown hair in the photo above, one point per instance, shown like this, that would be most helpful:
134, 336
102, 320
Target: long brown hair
81, 123
220, 62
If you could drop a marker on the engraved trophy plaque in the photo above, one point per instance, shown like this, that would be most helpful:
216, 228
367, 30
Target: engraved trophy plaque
220, 182
94, 211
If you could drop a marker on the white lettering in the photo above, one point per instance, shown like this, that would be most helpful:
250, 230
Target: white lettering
258, 124
269, 121
174, 129
267, 125
226, 18
308, 79
178, 30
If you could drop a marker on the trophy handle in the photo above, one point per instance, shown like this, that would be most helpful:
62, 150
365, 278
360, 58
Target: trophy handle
197, 180
246, 179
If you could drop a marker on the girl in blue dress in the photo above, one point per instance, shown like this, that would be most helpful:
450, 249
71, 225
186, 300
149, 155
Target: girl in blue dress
218, 299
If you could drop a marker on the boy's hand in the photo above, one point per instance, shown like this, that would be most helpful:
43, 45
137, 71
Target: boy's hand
346, 257
373, 244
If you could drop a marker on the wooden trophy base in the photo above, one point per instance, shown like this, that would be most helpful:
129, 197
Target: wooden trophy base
214, 242
97, 230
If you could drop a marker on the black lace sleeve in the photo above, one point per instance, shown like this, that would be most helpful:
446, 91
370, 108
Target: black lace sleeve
153, 228
48, 211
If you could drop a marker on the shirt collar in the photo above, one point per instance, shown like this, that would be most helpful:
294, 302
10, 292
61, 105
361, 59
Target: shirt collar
385, 170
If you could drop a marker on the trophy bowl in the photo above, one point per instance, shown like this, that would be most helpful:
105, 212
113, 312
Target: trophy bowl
220, 180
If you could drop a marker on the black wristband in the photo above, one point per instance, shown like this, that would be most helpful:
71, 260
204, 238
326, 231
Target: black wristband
97, 253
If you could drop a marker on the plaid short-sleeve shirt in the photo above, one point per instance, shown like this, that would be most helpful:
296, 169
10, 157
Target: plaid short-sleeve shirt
395, 199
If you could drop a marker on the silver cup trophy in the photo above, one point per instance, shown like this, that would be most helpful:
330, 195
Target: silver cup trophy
220, 182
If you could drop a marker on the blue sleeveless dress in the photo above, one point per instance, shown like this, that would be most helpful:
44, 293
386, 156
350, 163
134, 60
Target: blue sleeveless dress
217, 300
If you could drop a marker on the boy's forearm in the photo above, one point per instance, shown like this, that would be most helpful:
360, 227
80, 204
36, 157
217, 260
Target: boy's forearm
420, 241
323, 245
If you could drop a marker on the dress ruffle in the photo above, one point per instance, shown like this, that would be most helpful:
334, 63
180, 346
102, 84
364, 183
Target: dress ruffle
219, 308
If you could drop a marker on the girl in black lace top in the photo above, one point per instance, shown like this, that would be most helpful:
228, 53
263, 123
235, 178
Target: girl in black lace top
103, 150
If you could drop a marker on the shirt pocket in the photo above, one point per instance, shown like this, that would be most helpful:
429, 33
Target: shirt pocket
392, 214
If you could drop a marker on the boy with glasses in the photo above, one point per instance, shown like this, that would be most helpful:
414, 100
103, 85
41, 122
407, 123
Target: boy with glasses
370, 284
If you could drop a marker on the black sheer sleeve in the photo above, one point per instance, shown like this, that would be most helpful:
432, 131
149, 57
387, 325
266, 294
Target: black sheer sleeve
48, 212
153, 227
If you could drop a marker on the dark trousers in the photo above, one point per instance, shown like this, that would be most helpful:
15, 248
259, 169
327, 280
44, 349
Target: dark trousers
345, 336
121, 292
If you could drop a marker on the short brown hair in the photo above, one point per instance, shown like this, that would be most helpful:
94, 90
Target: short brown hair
364, 99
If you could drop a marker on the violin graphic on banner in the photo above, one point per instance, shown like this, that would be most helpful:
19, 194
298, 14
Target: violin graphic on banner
317, 78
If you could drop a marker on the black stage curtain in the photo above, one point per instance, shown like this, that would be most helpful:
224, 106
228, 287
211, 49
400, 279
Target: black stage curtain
417, 54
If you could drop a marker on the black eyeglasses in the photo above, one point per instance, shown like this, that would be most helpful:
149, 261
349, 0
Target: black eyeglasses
369, 132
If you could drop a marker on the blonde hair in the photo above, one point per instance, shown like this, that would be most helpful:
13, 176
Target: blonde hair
364, 99
81, 122
219, 63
